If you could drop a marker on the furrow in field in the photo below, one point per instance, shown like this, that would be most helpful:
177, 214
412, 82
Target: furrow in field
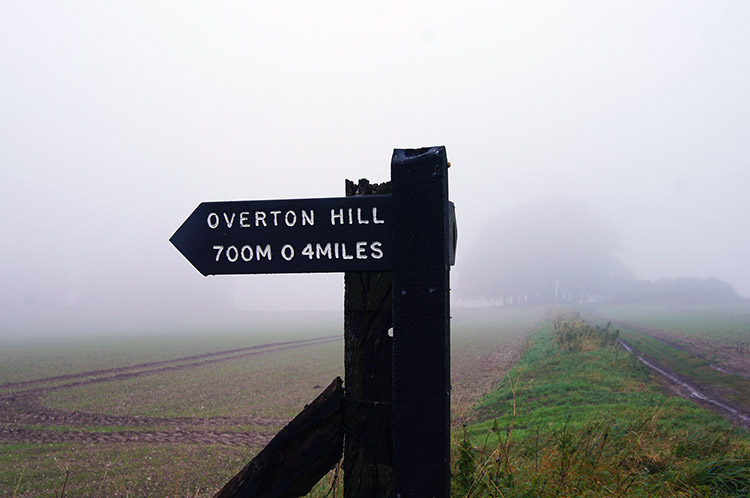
26, 435
167, 366
25, 419
156, 364
27, 410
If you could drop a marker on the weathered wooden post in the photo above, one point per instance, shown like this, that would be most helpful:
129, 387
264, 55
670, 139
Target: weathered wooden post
368, 367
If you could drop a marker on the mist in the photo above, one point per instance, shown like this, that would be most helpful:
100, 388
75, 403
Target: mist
116, 120
558, 251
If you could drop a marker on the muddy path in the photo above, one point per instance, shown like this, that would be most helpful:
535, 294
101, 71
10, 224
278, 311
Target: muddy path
706, 395
23, 418
732, 359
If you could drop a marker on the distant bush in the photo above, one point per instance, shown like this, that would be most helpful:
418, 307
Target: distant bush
573, 334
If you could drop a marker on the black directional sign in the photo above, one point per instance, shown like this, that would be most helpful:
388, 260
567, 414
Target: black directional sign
410, 233
289, 236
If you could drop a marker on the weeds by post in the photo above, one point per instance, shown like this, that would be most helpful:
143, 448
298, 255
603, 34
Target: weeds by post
64, 468
20, 478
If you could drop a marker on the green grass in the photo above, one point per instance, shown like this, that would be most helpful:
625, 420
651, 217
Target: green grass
590, 421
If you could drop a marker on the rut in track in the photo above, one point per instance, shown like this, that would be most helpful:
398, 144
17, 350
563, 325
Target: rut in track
23, 418
139, 370
732, 358
230, 438
708, 395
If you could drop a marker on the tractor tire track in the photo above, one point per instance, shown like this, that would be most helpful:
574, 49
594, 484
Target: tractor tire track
687, 390
23, 418
27, 410
733, 363
230, 438
140, 369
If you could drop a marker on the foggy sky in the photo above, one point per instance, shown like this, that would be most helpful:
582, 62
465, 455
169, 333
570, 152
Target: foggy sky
118, 118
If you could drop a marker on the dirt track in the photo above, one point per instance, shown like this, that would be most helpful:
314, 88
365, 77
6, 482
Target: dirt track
706, 395
24, 419
733, 357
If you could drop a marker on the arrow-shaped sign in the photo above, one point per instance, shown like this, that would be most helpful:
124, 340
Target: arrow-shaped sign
289, 236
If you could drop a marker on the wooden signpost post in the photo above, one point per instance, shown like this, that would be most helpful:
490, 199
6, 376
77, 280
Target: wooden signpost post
405, 239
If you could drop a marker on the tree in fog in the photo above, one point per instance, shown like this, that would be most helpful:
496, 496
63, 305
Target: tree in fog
542, 252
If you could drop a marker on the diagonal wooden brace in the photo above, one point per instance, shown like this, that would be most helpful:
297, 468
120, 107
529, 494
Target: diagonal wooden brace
298, 456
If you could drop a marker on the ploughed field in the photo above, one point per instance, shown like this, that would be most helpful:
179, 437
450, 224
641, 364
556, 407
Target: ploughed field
180, 414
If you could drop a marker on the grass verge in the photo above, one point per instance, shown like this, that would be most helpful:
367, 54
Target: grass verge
578, 416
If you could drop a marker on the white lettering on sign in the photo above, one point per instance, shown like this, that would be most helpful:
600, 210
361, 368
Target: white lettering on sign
338, 217
289, 218
335, 216
287, 252
263, 251
344, 255
228, 220
361, 248
359, 217
275, 217
340, 250
308, 217
233, 254
377, 251
260, 217
246, 253
213, 220
329, 251
324, 251
273, 250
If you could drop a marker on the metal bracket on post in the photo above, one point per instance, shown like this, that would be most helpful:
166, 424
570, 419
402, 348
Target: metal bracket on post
423, 240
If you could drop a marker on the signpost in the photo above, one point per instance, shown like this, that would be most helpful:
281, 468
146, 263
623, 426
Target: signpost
288, 236
423, 239
410, 233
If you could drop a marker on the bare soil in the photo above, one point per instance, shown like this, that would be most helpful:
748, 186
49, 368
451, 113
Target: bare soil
475, 373
23, 418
